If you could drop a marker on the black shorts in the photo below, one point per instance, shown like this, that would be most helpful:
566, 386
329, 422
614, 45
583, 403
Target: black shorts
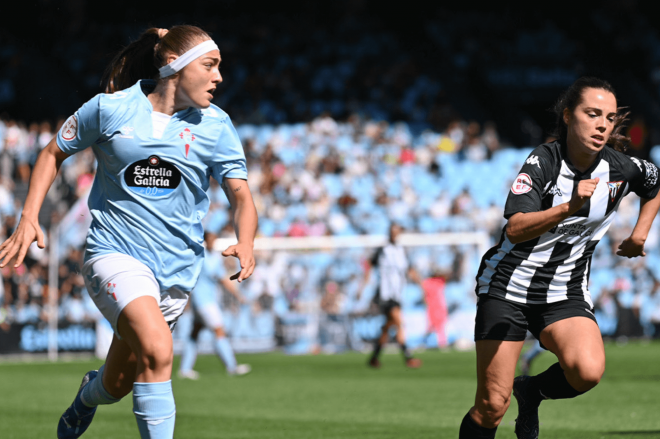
387, 305
501, 319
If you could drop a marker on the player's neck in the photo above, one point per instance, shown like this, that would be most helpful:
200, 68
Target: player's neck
163, 98
580, 156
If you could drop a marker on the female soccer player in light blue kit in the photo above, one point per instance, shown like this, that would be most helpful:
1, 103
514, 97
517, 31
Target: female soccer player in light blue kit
157, 139
207, 314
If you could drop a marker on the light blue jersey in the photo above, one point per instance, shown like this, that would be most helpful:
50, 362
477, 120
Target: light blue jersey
149, 194
206, 290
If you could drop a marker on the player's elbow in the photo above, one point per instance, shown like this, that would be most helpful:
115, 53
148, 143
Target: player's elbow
513, 233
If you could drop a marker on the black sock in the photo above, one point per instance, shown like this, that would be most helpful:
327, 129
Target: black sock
404, 350
472, 430
552, 384
376, 353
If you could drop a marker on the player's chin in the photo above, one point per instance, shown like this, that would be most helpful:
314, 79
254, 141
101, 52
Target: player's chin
203, 103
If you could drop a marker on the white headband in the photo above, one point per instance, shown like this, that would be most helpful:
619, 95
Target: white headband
187, 58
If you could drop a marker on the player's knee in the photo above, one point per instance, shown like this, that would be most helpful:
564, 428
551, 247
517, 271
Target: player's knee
590, 376
493, 408
586, 374
157, 354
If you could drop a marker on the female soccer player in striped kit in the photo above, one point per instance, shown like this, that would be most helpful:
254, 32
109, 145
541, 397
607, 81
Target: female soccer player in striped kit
158, 140
559, 207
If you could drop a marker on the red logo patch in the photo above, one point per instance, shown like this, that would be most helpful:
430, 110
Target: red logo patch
111, 290
187, 137
522, 184
70, 128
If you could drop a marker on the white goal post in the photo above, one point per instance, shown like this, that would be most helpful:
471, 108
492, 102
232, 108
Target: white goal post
480, 239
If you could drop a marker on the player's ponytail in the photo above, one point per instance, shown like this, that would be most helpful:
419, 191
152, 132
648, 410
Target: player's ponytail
572, 97
142, 58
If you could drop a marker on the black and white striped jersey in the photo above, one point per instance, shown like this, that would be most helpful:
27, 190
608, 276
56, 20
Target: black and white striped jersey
392, 266
555, 266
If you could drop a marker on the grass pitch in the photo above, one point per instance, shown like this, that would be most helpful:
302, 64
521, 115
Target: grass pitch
339, 397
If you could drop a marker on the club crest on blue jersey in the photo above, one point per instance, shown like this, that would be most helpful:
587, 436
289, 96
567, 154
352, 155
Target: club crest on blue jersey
152, 177
187, 137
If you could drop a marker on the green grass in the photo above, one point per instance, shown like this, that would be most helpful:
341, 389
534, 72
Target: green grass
339, 397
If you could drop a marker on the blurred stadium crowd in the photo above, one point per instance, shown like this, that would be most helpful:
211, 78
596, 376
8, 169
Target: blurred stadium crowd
340, 179
291, 61
352, 116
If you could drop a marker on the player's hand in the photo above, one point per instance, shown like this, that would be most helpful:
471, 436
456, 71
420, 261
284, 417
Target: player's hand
631, 248
584, 191
19, 242
244, 254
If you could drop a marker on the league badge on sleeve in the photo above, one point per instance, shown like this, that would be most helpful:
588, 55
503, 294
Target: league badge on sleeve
522, 184
70, 128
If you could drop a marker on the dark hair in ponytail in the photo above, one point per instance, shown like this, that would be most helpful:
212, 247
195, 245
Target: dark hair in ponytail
142, 58
572, 97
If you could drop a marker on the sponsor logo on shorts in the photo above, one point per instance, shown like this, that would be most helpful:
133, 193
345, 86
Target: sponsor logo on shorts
589, 311
522, 184
70, 128
152, 177
110, 290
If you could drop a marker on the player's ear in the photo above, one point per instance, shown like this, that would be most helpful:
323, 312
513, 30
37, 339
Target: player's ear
567, 115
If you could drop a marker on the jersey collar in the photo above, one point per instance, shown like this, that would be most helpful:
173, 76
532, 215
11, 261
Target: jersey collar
147, 86
573, 169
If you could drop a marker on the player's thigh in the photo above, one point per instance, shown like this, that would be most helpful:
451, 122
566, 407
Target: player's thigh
395, 315
496, 369
142, 325
209, 314
577, 343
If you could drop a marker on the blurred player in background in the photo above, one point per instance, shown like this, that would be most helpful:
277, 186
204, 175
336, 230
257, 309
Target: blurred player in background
559, 207
393, 268
158, 140
207, 314
526, 359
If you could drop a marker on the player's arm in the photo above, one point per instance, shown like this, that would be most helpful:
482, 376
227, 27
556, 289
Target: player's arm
369, 263
633, 246
28, 230
232, 289
525, 226
414, 275
244, 216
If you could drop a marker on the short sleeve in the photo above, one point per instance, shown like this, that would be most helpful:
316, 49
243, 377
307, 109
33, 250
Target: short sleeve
82, 129
527, 189
645, 182
376, 257
228, 157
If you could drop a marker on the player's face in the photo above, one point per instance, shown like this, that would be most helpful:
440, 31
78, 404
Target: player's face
198, 81
395, 231
592, 121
